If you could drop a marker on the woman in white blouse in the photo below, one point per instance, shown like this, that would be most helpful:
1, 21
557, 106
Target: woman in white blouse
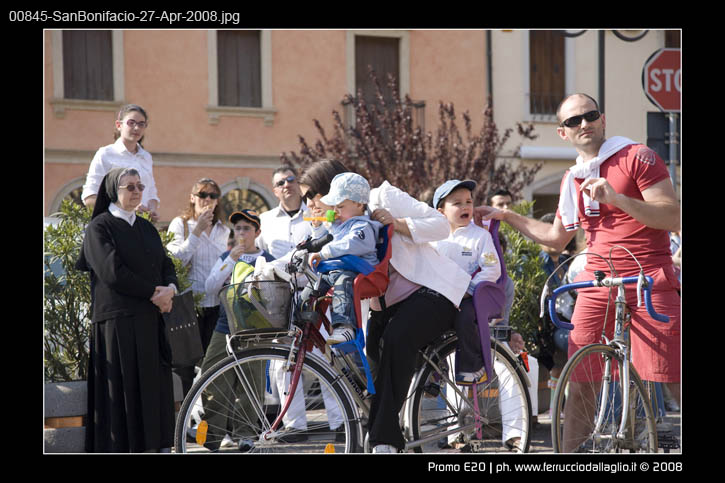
200, 237
126, 152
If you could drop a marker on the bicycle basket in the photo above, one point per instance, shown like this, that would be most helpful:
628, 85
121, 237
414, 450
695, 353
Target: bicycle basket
257, 305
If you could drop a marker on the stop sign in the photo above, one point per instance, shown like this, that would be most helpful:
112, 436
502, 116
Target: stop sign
662, 79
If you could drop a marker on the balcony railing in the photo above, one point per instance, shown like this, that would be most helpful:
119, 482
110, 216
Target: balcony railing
417, 114
542, 106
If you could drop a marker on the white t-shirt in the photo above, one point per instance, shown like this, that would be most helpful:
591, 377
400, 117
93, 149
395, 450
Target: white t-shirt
472, 247
117, 156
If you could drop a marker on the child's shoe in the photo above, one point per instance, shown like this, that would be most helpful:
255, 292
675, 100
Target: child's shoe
341, 334
469, 378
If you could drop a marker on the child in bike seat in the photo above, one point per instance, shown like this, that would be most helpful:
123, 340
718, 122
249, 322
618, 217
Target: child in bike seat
354, 234
473, 249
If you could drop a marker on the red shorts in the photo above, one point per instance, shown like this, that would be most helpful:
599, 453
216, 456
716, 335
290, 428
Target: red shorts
655, 345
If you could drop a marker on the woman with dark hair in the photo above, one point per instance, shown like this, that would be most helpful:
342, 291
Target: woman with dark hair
130, 392
419, 305
127, 152
200, 237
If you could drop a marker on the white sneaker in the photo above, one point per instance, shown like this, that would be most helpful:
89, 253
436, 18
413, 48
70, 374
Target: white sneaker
469, 378
341, 334
384, 448
227, 442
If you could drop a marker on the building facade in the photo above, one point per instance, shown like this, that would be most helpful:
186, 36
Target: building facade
225, 104
532, 70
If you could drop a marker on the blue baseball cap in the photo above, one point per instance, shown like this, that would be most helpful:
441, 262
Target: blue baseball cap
347, 186
445, 189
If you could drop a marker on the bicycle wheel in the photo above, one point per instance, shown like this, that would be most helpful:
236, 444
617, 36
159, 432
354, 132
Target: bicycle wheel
446, 421
588, 406
232, 406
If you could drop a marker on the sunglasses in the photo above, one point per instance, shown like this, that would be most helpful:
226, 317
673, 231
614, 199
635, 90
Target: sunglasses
132, 187
204, 195
288, 179
574, 121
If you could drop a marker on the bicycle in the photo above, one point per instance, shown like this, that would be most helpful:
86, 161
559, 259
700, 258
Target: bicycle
236, 396
612, 412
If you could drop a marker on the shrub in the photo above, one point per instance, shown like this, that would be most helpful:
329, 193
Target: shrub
524, 267
67, 301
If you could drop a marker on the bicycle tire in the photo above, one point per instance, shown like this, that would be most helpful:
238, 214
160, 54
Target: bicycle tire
508, 389
226, 392
601, 419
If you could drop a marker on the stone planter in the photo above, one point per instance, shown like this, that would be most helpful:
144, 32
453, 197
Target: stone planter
65, 412
65, 415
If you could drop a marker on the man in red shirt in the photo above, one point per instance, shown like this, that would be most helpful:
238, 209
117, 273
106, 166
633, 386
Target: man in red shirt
619, 193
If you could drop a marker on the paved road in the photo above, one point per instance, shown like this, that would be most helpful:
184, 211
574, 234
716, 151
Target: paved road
541, 437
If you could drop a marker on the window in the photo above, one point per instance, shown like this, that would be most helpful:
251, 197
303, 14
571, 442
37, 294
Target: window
387, 52
547, 71
382, 54
239, 63
240, 74
88, 64
672, 39
88, 71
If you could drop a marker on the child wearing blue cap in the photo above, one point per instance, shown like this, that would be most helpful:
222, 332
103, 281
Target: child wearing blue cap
354, 234
472, 248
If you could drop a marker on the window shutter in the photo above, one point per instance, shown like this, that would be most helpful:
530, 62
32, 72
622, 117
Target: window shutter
239, 64
88, 64
546, 71
382, 53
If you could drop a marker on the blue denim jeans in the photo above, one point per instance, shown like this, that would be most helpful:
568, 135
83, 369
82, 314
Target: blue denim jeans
342, 308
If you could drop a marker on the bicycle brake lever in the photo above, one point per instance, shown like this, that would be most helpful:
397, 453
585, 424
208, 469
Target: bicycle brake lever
544, 294
640, 284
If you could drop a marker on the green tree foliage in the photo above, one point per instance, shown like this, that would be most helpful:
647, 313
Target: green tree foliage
67, 297
524, 267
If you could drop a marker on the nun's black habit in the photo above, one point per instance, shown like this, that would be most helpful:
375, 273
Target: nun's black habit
130, 392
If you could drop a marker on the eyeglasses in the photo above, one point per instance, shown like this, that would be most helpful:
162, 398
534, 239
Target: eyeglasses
132, 187
288, 179
131, 123
574, 121
203, 195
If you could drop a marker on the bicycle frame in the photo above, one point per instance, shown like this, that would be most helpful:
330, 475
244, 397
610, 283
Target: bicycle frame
620, 343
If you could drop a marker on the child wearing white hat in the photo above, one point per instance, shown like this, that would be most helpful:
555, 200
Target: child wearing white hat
354, 234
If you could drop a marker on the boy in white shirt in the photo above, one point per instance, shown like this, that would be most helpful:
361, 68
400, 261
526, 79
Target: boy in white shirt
473, 249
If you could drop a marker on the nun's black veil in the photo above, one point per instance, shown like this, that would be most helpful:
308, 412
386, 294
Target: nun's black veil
107, 194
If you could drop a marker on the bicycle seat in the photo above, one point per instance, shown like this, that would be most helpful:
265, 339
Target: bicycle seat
489, 299
371, 281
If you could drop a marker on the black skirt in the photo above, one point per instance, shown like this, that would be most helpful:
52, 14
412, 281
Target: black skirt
130, 388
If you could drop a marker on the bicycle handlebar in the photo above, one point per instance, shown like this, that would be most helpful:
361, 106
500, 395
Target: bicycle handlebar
314, 246
605, 282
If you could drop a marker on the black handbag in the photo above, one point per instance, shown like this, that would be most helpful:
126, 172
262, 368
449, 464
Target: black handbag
182, 331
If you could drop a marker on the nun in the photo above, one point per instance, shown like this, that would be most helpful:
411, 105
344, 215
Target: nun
133, 281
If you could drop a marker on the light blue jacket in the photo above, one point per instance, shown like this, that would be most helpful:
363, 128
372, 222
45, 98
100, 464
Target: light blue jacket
356, 236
